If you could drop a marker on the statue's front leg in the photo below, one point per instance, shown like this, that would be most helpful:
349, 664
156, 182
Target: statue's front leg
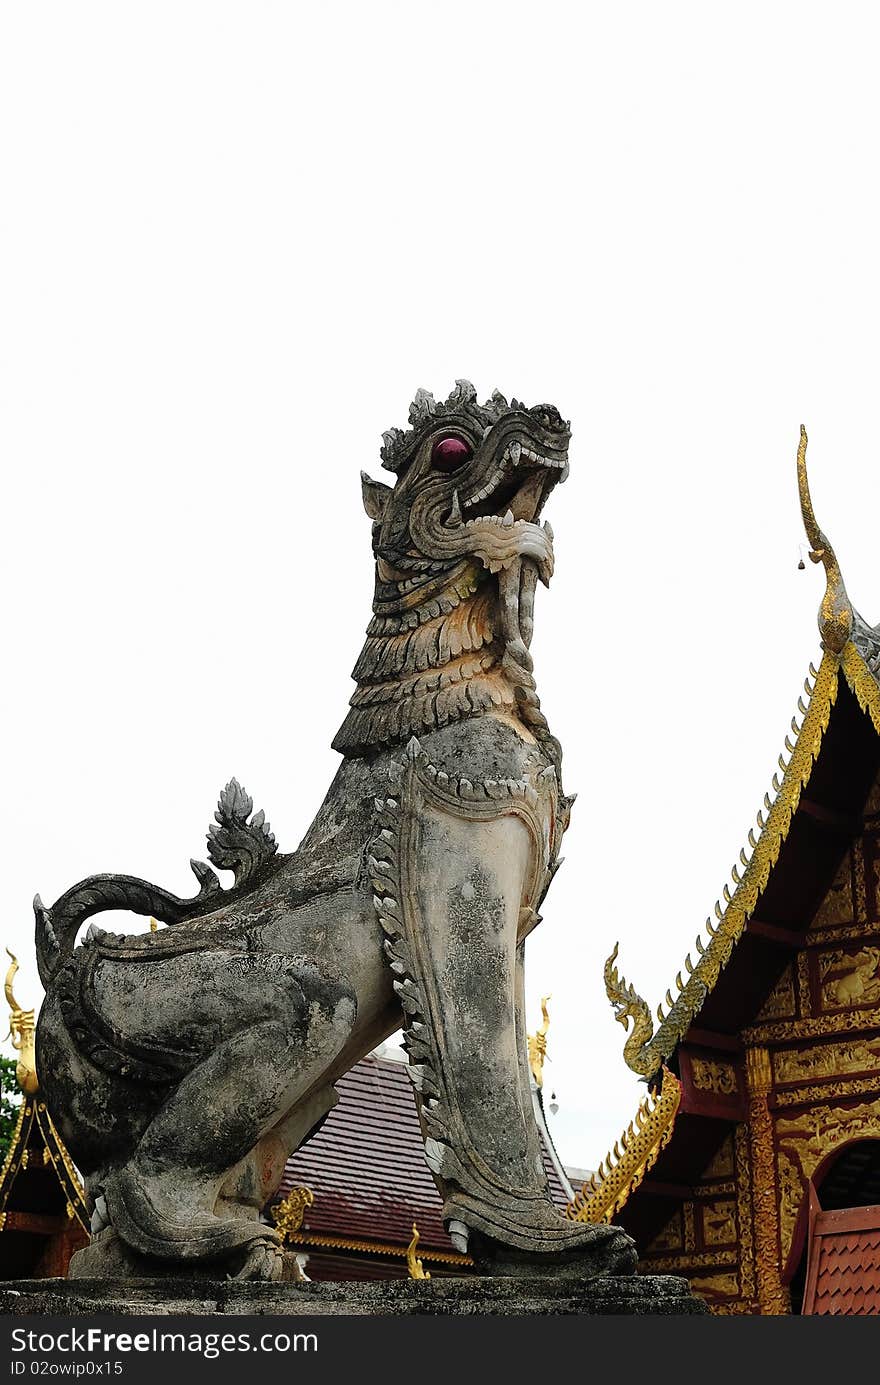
459, 868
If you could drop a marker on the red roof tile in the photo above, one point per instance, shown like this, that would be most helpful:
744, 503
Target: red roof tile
843, 1273
366, 1165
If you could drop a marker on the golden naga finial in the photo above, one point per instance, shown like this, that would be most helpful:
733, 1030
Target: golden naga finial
629, 1007
414, 1264
835, 612
21, 1031
538, 1045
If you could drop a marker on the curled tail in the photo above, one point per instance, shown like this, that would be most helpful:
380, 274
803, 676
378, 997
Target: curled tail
57, 928
239, 842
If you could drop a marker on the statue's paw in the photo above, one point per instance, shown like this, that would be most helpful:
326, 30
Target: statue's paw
619, 1253
554, 1246
600, 1249
264, 1261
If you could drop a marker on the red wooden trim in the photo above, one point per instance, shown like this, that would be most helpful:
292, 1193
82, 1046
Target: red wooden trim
716, 1106
839, 823
708, 1038
846, 1219
652, 1187
35, 1222
812, 1257
700, 1101
774, 934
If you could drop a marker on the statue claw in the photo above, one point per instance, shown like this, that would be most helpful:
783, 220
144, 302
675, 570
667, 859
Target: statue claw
264, 1261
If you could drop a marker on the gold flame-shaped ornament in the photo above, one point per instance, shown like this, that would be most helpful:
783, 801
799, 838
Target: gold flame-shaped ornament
414, 1264
21, 1031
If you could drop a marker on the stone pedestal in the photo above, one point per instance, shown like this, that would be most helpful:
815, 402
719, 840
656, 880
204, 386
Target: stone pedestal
665, 1295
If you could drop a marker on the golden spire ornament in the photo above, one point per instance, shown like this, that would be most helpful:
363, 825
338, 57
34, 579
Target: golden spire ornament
538, 1045
21, 1031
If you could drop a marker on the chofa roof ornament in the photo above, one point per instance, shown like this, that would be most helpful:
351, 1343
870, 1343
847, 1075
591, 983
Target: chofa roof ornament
835, 612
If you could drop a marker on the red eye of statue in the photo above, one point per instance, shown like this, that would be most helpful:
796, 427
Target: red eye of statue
448, 454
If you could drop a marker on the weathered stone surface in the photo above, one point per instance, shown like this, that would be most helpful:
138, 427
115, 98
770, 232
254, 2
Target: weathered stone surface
632, 1294
183, 1066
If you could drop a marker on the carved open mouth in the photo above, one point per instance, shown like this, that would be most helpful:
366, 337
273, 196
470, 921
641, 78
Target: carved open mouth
518, 487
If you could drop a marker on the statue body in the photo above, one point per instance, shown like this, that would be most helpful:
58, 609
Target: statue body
184, 1065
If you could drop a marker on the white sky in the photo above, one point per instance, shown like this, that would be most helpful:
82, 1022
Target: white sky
235, 238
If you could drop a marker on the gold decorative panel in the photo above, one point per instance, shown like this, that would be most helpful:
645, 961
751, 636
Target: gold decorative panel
859, 876
711, 1284
719, 1223
826, 1060
687, 1263
721, 1163
792, 1190
805, 1003
849, 980
837, 906
711, 1076
851, 1086
872, 804
780, 1002
835, 1022
671, 1237
689, 1239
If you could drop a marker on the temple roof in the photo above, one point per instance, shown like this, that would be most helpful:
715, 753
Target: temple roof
810, 794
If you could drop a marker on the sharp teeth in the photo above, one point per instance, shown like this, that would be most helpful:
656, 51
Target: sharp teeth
455, 512
515, 451
508, 518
